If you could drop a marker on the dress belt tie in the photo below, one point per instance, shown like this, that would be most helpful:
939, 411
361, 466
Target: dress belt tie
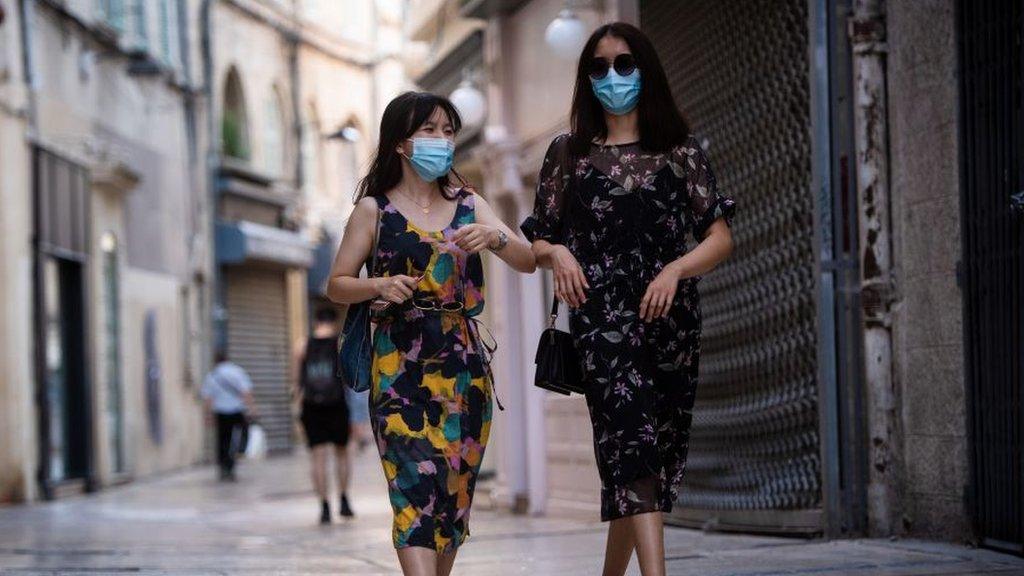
474, 325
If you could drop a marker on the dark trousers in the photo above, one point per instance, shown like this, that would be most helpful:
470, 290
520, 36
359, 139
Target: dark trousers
230, 430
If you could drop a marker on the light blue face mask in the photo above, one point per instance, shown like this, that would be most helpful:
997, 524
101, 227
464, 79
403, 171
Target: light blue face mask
431, 157
618, 94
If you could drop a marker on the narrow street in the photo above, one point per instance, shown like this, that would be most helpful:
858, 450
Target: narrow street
188, 524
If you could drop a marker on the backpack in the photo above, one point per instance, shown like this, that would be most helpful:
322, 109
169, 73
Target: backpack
321, 385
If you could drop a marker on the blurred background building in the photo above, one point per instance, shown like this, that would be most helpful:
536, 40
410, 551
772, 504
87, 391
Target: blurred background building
175, 176
170, 171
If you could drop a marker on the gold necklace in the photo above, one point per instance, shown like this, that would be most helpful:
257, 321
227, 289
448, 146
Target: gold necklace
425, 209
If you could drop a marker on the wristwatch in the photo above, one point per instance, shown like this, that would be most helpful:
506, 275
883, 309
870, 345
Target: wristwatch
502, 242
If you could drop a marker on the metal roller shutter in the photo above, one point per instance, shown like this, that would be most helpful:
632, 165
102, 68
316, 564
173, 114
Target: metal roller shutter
992, 221
740, 72
258, 342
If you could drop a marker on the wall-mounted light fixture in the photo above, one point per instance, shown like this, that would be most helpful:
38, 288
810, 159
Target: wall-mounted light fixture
470, 102
566, 34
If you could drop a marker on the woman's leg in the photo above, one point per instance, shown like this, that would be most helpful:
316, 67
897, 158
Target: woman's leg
418, 561
649, 532
619, 548
445, 562
341, 462
318, 455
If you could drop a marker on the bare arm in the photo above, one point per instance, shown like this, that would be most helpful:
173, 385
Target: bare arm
484, 234
570, 281
298, 354
345, 286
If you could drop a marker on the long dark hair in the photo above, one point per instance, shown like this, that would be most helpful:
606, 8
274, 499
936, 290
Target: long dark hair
403, 116
662, 125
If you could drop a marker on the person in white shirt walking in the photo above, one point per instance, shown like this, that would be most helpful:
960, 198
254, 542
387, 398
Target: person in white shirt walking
227, 392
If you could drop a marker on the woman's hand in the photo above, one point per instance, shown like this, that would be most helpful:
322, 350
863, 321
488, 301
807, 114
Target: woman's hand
660, 294
475, 238
570, 282
396, 288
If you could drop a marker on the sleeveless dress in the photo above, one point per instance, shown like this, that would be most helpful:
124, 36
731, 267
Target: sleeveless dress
625, 213
430, 398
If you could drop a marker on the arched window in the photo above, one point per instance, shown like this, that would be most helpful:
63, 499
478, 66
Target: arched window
235, 121
311, 154
274, 149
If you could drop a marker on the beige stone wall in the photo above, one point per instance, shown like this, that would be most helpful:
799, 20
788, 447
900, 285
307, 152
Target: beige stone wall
18, 454
181, 413
928, 346
98, 115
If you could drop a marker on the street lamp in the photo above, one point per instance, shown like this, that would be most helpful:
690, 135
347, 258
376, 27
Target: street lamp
470, 103
348, 133
566, 35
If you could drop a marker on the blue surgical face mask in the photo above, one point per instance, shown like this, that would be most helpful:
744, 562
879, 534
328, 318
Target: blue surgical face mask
618, 94
431, 157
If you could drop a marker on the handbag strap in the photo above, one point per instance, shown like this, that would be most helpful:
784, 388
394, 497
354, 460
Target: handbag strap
376, 241
554, 311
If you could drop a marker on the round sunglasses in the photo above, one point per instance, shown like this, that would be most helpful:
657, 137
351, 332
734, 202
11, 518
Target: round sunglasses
624, 65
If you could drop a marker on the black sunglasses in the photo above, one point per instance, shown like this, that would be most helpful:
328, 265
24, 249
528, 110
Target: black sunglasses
624, 65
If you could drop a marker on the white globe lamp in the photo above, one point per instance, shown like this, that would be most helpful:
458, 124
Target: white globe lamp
470, 103
566, 35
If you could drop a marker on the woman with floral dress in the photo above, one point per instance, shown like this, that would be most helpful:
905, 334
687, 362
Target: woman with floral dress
616, 199
430, 398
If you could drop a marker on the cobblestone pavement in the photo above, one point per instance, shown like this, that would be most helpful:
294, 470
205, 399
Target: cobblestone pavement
189, 524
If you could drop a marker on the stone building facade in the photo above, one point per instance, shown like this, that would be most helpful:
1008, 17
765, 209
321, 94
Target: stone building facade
169, 170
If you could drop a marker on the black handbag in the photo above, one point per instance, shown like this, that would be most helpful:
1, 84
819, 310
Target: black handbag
558, 362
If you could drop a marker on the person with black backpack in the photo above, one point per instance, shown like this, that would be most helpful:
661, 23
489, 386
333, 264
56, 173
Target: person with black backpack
325, 414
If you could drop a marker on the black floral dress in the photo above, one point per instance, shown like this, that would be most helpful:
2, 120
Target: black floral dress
624, 214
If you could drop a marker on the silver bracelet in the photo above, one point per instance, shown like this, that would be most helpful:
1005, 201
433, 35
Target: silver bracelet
502, 242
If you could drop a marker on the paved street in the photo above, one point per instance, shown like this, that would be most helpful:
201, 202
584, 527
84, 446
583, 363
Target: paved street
188, 524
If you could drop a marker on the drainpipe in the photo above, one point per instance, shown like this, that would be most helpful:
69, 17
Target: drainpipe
294, 75
26, 14
217, 312
867, 38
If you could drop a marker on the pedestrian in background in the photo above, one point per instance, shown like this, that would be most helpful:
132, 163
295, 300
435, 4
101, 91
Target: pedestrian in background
430, 396
227, 392
325, 413
616, 198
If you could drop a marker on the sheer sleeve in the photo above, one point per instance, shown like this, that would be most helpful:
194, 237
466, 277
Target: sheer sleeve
546, 221
704, 203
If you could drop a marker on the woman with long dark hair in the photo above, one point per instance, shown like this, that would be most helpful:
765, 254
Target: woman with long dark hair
430, 398
616, 198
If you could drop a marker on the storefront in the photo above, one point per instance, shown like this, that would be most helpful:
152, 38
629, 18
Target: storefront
779, 378
263, 298
64, 398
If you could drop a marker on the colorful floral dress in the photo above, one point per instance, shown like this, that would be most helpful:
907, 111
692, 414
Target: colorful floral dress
430, 400
624, 214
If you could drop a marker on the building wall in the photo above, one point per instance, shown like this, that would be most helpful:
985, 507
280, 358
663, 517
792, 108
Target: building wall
539, 87
92, 111
928, 348
336, 93
17, 407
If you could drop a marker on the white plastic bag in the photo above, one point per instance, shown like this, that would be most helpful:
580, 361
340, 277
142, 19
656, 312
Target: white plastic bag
256, 448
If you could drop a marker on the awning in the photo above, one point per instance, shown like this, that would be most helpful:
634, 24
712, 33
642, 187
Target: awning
239, 242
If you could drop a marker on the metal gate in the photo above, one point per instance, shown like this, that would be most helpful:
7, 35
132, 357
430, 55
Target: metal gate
740, 72
992, 218
258, 342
